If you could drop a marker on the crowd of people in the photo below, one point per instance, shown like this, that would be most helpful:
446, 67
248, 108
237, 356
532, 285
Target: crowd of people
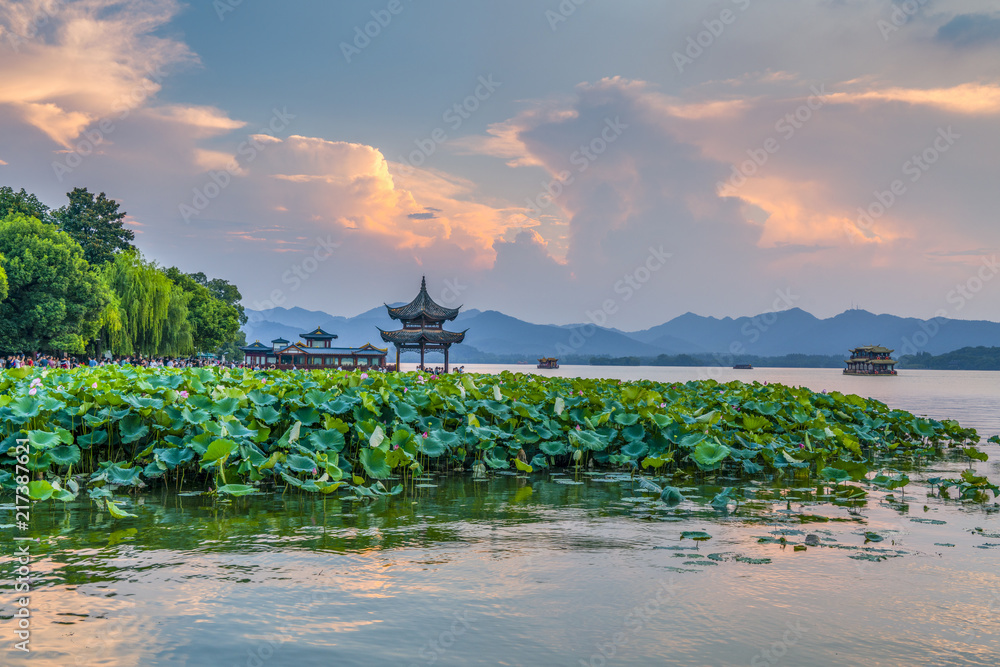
74, 361
67, 361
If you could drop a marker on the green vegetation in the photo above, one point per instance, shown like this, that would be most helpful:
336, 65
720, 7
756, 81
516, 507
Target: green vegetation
965, 359
239, 431
71, 281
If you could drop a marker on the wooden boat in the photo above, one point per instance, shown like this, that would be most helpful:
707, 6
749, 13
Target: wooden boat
548, 363
743, 367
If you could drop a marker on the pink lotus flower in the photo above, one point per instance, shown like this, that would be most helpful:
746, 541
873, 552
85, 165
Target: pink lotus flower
425, 434
93, 386
263, 381
35, 381
364, 376
663, 405
405, 390
395, 446
578, 428
802, 445
32, 391
182, 394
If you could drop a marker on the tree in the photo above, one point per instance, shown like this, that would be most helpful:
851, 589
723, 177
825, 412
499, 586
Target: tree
213, 322
21, 202
56, 300
224, 291
143, 301
96, 224
3, 281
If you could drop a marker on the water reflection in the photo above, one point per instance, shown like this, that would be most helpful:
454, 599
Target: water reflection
545, 569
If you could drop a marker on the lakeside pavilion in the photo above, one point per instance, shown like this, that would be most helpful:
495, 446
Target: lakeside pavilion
423, 327
316, 351
870, 360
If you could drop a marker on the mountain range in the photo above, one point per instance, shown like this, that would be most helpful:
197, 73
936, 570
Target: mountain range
495, 337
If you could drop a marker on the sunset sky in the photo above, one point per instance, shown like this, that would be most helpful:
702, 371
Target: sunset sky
630, 159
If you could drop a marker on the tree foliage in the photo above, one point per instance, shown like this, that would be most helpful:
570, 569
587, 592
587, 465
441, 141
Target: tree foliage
96, 224
56, 301
213, 321
152, 310
21, 202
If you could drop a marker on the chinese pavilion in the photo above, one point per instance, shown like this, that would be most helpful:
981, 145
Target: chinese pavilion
316, 352
870, 360
423, 327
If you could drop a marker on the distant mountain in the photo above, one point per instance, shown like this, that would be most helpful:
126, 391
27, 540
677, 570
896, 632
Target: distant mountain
493, 336
489, 333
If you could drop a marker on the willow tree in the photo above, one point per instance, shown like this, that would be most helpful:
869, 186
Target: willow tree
143, 293
178, 336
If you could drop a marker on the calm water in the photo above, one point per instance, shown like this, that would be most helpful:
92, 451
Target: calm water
546, 569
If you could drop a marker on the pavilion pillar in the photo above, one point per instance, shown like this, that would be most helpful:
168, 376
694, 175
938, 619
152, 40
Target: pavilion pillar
421, 355
397, 358
446, 359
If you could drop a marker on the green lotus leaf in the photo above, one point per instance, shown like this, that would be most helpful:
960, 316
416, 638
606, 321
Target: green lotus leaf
219, 449
300, 463
116, 512
328, 440
635, 449
236, 490
132, 428
671, 495
626, 419
225, 407
708, 455
696, 535
64, 455
374, 463
266, 414
40, 490
553, 447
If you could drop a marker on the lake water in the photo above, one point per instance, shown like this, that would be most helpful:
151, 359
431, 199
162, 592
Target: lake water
545, 569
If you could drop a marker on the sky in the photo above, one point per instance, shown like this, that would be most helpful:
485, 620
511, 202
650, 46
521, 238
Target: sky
619, 162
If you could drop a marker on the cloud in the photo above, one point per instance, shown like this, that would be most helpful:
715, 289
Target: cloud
74, 63
967, 30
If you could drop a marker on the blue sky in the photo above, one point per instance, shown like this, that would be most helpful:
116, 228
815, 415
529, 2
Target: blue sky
840, 152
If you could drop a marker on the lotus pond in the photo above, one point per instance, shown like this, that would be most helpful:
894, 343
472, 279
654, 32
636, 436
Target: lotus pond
204, 518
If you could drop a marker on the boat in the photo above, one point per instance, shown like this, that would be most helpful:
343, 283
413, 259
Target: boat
870, 360
548, 362
743, 367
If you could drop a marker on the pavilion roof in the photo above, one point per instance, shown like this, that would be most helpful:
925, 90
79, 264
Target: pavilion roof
318, 334
416, 336
255, 347
423, 306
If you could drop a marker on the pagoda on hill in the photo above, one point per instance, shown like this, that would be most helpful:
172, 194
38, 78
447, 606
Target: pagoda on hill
423, 327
